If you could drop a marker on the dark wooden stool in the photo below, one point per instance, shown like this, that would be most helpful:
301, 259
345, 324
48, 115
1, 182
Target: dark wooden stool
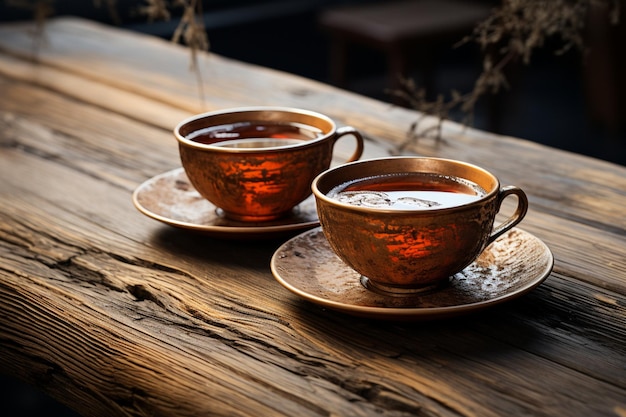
399, 29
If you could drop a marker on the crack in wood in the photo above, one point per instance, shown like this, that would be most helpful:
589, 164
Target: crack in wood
73, 269
141, 293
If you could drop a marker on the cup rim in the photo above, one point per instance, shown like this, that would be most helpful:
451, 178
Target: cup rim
332, 201
249, 109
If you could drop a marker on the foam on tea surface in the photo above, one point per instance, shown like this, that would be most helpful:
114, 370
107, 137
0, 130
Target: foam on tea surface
410, 191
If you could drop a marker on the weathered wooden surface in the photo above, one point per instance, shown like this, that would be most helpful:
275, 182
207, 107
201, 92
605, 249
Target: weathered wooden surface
113, 313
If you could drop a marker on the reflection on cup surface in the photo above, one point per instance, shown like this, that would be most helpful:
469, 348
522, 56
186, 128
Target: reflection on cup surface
245, 131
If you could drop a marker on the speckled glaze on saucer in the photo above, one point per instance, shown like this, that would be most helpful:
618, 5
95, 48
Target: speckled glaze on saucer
510, 267
171, 199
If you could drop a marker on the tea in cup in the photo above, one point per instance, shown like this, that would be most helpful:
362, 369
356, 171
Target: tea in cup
408, 224
257, 163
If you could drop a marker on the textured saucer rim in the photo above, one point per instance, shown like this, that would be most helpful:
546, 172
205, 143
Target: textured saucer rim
405, 313
233, 230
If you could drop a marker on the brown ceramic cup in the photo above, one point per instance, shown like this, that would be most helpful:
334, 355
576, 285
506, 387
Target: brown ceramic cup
381, 217
257, 163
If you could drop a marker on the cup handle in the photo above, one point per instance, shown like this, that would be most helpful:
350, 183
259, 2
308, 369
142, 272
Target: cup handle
348, 130
520, 212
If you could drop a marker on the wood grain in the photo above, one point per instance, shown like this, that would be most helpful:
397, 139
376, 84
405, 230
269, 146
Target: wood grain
113, 313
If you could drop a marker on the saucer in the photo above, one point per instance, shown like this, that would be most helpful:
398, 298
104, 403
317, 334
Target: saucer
171, 199
510, 267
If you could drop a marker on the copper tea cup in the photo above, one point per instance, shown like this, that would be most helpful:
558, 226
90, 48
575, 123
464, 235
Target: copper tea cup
409, 245
257, 163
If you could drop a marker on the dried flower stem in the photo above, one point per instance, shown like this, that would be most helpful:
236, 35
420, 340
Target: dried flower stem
41, 10
190, 30
512, 32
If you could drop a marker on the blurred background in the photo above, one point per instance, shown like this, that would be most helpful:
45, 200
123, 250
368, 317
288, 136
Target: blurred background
574, 102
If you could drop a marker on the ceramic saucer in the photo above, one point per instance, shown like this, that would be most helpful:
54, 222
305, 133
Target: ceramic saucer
511, 266
171, 199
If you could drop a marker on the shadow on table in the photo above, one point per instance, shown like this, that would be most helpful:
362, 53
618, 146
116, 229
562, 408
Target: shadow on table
19, 399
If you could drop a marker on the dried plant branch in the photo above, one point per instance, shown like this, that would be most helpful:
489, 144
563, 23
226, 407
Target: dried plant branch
513, 32
155, 10
41, 10
190, 30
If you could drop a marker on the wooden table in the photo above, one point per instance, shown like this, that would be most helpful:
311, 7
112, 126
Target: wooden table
114, 313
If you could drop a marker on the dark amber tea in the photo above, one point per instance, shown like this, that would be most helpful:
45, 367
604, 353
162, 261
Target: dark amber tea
255, 134
256, 164
410, 191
